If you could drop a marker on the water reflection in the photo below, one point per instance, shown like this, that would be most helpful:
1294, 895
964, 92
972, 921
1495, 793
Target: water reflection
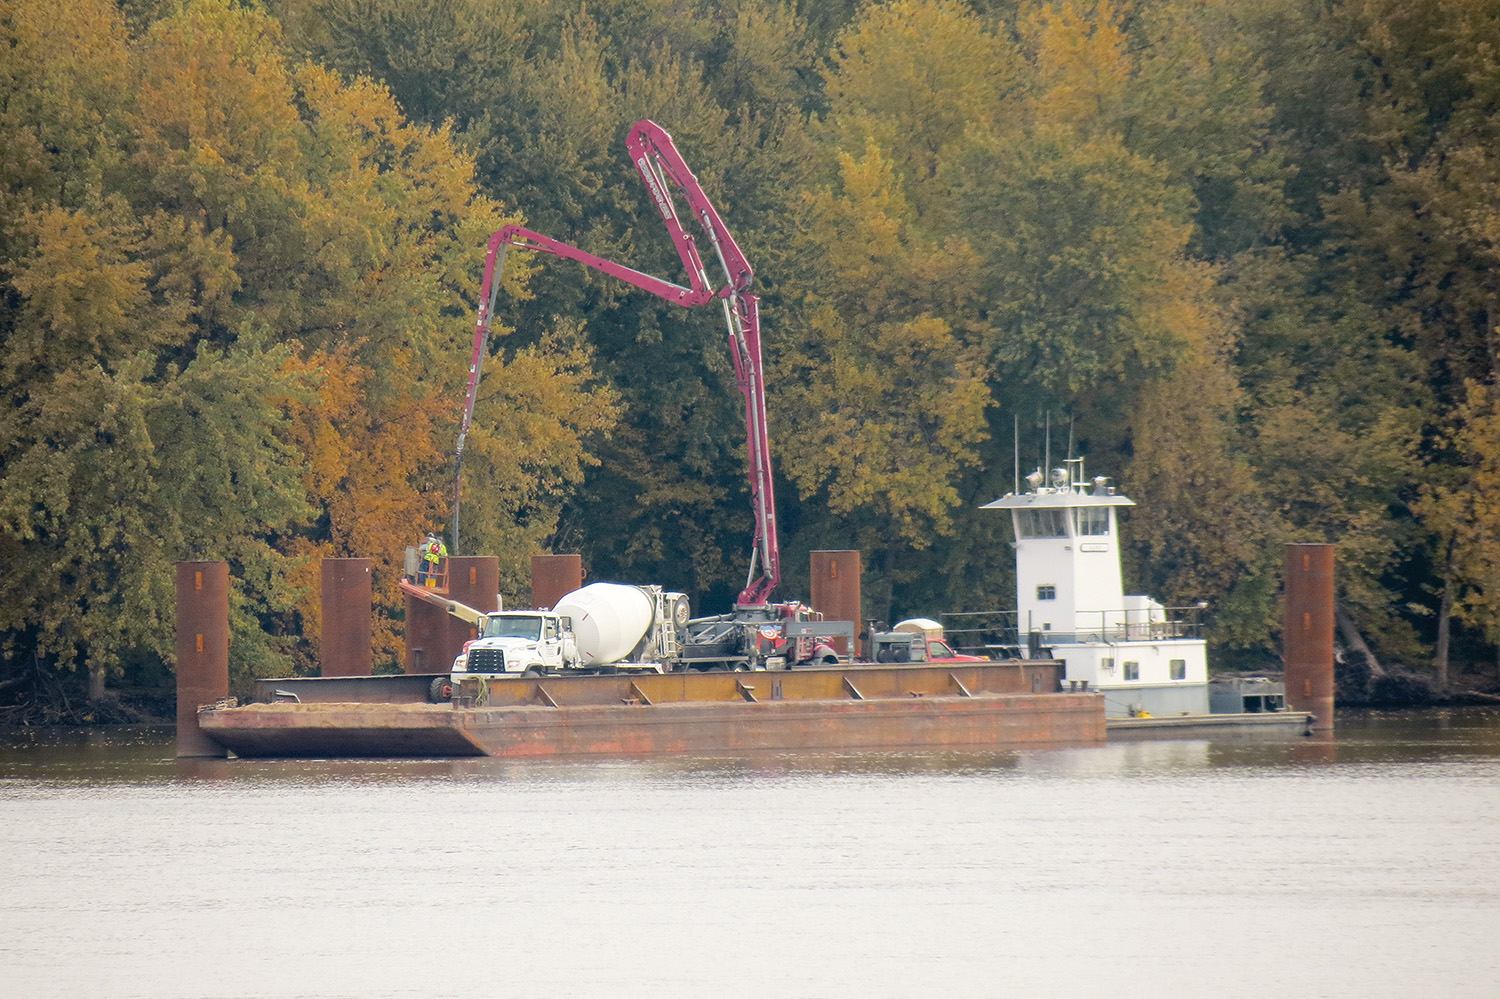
1319, 747
140, 754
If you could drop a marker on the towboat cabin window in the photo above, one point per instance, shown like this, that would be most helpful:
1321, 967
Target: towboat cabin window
1179, 669
1091, 521
1046, 592
1132, 670
524, 626
1041, 524
1107, 663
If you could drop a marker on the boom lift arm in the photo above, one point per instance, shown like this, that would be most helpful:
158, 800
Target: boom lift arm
658, 162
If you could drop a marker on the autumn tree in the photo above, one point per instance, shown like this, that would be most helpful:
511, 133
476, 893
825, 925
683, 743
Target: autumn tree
992, 198
1415, 237
1464, 514
128, 444
237, 319
1241, 250
1365, 315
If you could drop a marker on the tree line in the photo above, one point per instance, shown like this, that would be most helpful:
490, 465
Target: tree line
1242, 256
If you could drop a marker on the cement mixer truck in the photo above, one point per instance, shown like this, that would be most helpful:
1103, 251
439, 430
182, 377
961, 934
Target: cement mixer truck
603, 627
618, 628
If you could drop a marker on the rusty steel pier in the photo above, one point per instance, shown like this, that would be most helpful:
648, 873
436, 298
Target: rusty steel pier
1307, 631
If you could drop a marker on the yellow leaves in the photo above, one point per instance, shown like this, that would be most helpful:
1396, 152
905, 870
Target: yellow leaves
1180, 319
876, 258
989, 208
191, 266
84, 291
863, 227
887, 423
369, 469
314, 430
1082, 65
1464, 512
914, 75
179, 203
211, 75
64, 78
538, 411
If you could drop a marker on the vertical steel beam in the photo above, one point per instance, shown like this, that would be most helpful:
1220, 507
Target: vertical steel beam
344, 644
554, 577
202, 650
425, 637
836, 590
1307, 631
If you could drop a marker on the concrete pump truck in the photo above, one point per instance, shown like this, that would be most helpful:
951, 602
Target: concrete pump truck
757, 632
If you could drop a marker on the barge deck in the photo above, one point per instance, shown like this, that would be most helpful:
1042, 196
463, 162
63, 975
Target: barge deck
970, 705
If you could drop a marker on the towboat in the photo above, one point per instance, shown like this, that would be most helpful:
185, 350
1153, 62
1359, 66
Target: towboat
1149, 661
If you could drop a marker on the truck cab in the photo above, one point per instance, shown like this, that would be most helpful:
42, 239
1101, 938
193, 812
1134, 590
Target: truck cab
511, 642
914, 647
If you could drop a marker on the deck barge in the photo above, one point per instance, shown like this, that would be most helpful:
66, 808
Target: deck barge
853, 707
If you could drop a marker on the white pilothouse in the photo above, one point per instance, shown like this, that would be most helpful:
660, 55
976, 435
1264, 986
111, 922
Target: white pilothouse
1145, 658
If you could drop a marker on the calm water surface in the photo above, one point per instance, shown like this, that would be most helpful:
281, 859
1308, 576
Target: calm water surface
1365, 865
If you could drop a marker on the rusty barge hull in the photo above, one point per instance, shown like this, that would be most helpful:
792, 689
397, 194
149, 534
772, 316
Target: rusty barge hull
973, 706
322, 730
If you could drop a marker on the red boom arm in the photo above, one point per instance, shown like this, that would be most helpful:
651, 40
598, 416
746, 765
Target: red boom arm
657, 160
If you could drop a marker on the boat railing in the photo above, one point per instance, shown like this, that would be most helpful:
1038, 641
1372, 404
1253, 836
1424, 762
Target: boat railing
1000, 635
1136, 624
994, 634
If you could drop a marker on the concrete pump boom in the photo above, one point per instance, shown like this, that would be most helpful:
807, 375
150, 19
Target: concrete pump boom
658, 162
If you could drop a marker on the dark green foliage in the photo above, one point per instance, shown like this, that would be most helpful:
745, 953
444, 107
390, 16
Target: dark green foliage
1244, 253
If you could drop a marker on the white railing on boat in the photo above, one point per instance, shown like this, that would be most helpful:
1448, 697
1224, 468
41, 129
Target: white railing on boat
999, 633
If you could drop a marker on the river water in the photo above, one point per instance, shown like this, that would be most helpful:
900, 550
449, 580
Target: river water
1362, 865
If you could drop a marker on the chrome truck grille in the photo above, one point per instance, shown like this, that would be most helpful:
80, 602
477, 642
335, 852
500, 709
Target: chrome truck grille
486, 661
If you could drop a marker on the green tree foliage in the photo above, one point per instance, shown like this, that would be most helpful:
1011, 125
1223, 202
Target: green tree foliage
120, 463
1421, 237
238, 296
545, 113
1246, 252
1464, 516
995, 190
1360, 339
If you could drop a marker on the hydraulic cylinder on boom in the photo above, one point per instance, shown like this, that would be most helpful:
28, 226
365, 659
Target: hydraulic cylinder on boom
661, 167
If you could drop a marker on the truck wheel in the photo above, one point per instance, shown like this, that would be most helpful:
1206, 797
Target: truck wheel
535, 671
441, 689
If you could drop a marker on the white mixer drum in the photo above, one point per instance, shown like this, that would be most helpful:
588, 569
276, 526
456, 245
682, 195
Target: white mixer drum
609, 619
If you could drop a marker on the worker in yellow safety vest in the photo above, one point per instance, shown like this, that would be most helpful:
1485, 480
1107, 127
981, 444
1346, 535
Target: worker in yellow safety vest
433, 553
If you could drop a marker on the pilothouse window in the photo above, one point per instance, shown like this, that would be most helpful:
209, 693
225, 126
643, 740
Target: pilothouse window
1041, 524
1091, 520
